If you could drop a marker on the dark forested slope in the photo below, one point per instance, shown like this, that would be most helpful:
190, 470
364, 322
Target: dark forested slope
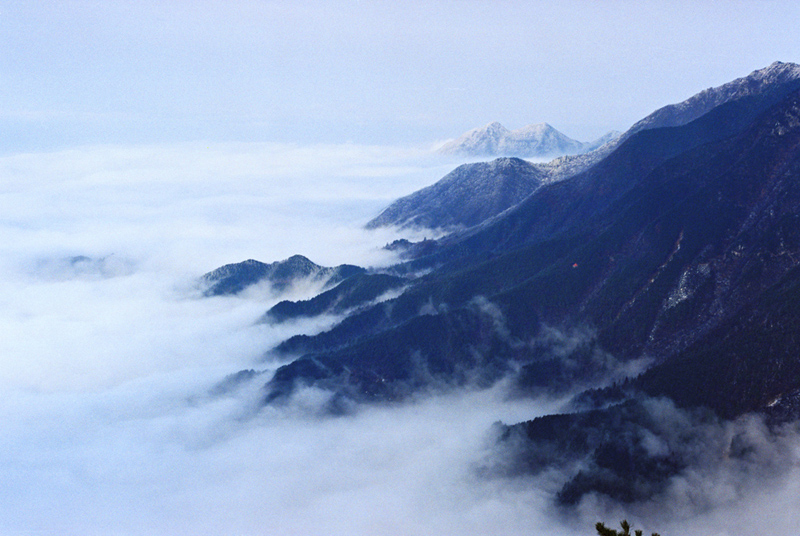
650, 248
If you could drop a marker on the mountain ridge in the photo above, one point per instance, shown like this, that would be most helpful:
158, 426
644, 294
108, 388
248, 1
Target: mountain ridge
234, 278
539, 140
424, 209
777, 74
465, 197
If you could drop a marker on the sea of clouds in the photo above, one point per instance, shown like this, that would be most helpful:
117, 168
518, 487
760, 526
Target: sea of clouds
113, 417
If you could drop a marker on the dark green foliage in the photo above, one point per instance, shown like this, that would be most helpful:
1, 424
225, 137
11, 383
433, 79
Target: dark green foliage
357, 326
625, 472
446, 348
554, 369
602, 530
612, 444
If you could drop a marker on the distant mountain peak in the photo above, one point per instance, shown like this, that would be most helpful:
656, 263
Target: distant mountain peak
536, 128
494, 126
537, 141
776, 68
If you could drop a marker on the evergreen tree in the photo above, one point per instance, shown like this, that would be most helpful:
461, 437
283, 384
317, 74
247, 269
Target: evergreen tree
602, 530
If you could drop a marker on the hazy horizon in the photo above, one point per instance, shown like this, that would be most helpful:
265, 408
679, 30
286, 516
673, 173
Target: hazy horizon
365, 73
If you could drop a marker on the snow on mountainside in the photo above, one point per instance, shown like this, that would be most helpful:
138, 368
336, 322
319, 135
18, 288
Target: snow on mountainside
777, 77
466, 196
541, 140
753, 84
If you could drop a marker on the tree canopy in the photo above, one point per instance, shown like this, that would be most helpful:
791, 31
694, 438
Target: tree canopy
602, 530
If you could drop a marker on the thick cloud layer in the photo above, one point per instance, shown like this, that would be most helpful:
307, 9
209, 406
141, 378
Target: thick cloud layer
116, 416
101, 246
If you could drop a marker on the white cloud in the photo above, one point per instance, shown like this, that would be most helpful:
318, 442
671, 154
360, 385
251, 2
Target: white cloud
204, 205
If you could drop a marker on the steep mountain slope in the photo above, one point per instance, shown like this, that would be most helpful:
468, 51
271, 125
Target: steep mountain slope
721, 311
756, 83
533, 141
465, 197
581, 205
777, 79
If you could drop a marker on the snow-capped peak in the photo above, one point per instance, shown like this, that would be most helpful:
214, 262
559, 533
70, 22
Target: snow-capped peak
538, 140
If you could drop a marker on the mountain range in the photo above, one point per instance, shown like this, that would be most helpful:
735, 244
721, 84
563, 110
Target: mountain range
533, 141
486, 185
657, 277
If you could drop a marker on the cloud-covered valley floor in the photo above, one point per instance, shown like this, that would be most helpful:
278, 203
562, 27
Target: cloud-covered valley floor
110, 360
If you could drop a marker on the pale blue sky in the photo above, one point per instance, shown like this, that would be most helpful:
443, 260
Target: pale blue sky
80, 72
